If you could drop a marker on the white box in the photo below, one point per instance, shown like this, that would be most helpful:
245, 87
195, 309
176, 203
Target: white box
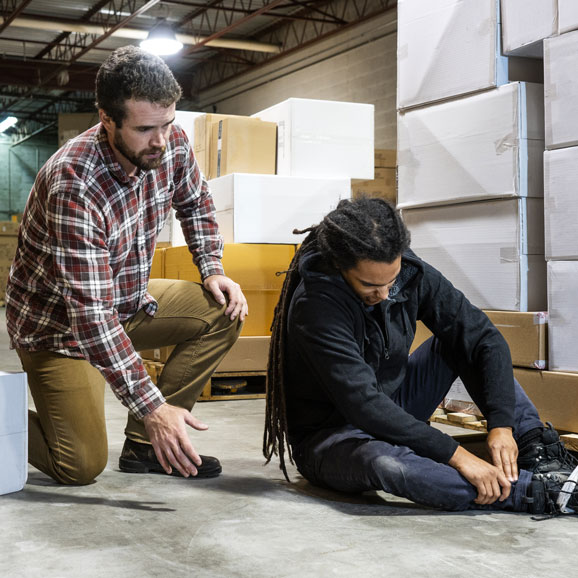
323, 138
561, 203
493, 251
186, 120
487, 145
266, 208
567, 15
561, 90
563, 316
447, 48
13, 432
525, 24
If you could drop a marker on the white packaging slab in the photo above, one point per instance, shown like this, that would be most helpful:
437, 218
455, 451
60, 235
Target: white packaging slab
323, 138
493, 251
13, 432
266, 208
561, 203
563, 316
560, 90
447, 48
525, 24
483, 146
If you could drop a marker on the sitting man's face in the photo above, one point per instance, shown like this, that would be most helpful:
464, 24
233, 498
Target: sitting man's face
372, 280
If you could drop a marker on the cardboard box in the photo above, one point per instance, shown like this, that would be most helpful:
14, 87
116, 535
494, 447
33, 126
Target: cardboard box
71, 124
8, 246
560, 89
555, 395
158, 264
323, 138
249, 353
13, 431
266, 208
526, 23
242, 145
493, 251
254, 267
561, 203
203, 130
447, 48
488, 145
526, 334
458, 399
186, 120
384, 186
563, 324
567, 15
385, 158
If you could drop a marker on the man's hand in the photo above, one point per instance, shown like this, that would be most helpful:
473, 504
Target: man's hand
488, 479
166, 429
218, 285
504, 451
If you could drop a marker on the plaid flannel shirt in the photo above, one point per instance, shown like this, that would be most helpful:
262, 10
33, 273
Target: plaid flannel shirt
85, 250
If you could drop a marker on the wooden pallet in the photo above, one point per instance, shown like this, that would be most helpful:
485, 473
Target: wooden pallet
465, 420
255, 386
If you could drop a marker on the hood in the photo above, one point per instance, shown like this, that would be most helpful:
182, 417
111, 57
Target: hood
314, 267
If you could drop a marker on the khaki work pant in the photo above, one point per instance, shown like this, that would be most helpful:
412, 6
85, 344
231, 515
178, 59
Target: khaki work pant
67, 432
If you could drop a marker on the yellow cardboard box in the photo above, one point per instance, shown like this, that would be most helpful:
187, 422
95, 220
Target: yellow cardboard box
254, 267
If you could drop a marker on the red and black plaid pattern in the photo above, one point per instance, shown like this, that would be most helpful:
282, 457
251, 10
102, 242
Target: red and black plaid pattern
85, 251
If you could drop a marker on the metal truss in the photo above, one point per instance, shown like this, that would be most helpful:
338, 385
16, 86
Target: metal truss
301, 23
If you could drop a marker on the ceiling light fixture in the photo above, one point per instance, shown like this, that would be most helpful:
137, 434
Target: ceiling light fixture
162, 41
7, 123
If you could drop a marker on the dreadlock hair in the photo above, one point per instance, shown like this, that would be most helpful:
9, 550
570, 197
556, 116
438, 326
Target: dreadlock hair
364, 228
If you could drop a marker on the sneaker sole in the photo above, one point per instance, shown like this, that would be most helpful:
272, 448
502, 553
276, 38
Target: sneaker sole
136, 467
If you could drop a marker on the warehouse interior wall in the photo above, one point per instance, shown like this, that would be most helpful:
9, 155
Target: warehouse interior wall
20, 166
356, 65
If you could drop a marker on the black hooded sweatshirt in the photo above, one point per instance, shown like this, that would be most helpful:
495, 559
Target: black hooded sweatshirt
343, 361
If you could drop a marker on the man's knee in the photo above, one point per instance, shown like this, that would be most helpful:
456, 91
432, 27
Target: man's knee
82, 467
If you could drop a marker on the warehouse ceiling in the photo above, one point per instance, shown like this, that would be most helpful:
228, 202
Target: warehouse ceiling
50, 50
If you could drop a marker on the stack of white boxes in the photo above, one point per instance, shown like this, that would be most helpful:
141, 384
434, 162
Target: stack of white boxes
470, 149
550, 27
470, 171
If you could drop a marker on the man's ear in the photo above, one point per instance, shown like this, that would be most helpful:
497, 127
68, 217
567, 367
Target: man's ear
106, 120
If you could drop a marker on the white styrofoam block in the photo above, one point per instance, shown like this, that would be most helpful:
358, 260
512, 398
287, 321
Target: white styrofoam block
493, 251
323, 138
186, 120
561, 203
525, 24
560, 90
13, 432
266, 208
567, 15
487, 145
563, 316
447, 48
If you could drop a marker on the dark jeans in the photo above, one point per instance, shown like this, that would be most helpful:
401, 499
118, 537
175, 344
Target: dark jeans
350, 460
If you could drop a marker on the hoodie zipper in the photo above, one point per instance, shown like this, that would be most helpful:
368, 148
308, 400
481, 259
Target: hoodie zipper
385, 333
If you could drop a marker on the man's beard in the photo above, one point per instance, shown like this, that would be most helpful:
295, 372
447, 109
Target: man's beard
138, 159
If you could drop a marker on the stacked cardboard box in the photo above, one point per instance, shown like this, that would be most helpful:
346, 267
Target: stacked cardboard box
384, 184
560, 199
469, 160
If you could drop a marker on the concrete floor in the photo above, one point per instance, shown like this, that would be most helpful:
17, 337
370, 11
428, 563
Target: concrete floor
250, 523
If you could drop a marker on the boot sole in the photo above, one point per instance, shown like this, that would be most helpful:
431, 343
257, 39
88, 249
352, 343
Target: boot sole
136, 467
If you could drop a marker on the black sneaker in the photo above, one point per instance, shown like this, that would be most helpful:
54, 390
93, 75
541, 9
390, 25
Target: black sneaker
553, 493
546, 453
137, 458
